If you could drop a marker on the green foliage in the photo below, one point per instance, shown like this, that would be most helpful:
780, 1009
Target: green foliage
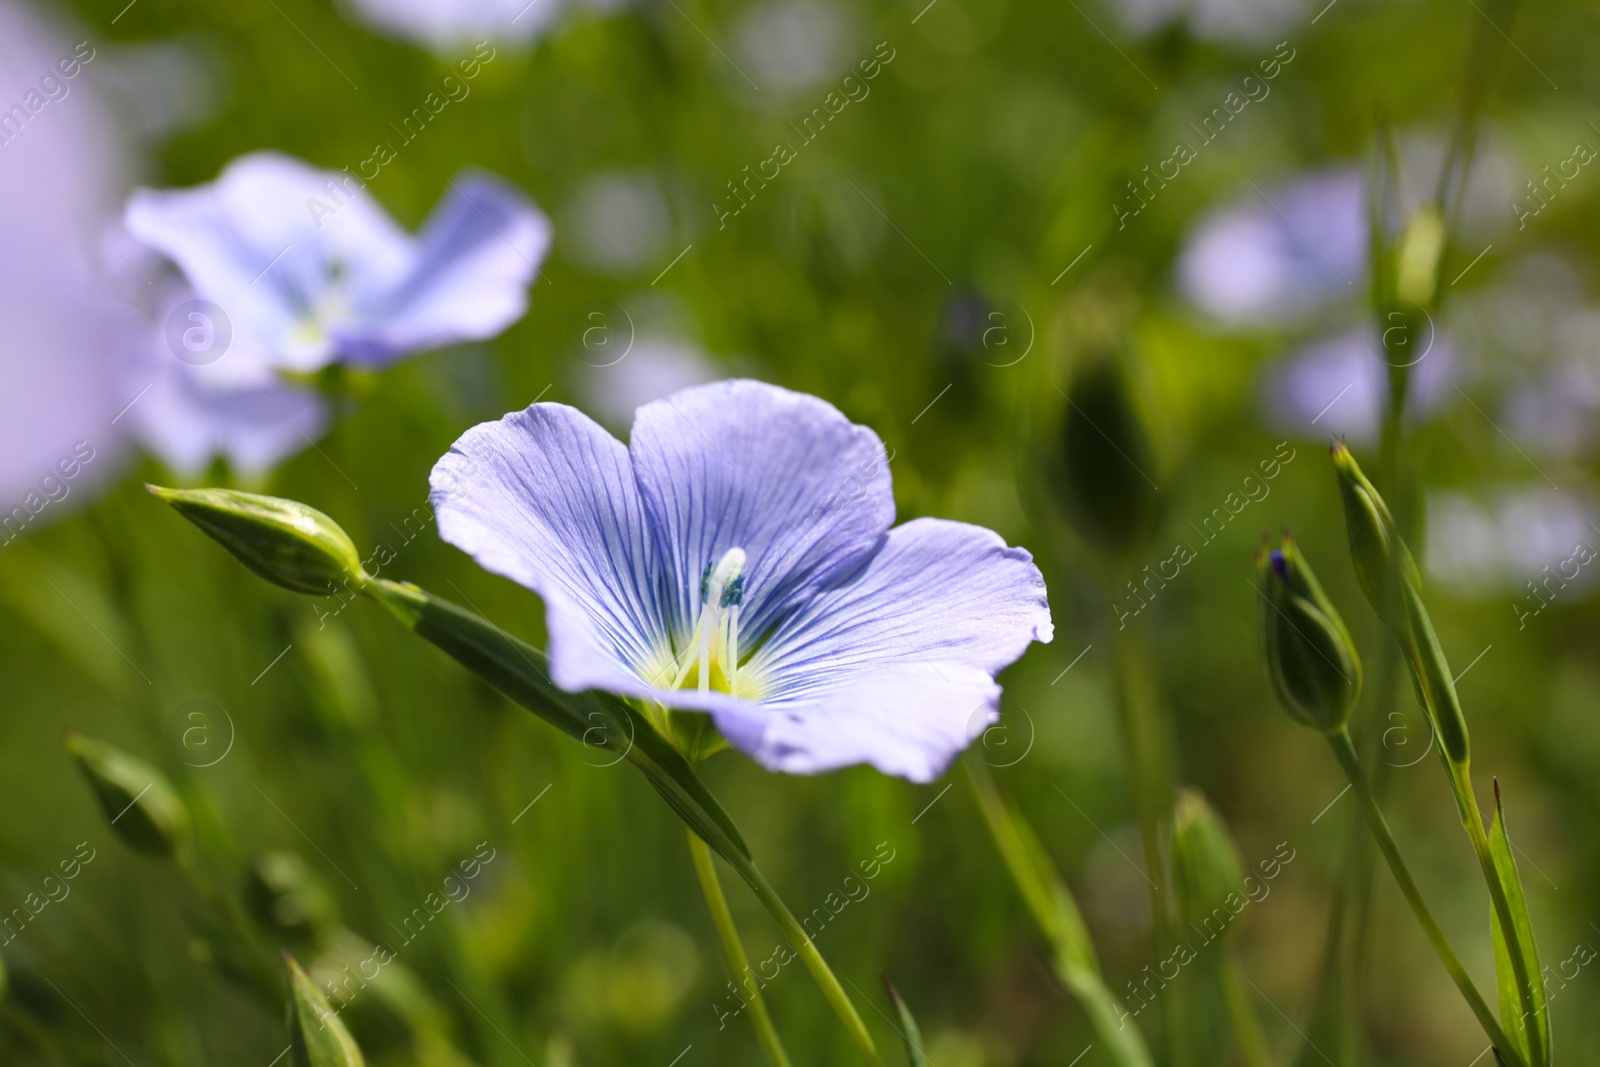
139, 804
1530, 1031
326, 1041
910, 1032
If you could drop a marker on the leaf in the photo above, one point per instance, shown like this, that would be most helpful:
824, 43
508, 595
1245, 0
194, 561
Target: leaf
518, 670
327, 1042
1511, 1011
915, 1056
1050, 901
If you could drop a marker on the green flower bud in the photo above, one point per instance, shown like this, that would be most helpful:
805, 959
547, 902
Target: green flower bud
327, 1042
1310, 658
1383, 563
137, 799
1417, 257
1205, 864
1104, 478
284, 541
1389, 577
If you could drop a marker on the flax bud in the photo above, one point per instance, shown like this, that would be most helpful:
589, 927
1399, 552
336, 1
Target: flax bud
1205, 864
1393, 585
1383, 564
283, 541
1109, 460
1310, 658
138, 801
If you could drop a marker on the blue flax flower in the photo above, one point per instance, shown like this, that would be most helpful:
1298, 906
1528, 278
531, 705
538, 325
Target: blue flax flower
310, 270
736, 558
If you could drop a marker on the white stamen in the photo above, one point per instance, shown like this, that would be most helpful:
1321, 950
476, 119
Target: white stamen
716, 631
732, 668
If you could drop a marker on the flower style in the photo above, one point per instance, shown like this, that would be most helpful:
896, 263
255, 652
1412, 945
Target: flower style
736, 558
311, 270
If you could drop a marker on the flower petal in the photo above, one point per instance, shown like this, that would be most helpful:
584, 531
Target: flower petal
894, 666
908, 720
476, 256
782, 475
547, 498
262, 240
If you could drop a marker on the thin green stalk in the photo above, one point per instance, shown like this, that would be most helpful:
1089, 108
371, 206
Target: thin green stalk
820, 972
1147, 756
1246, 1027
1346, 752
733, 948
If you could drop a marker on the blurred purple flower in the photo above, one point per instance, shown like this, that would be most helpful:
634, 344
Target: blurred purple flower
1498, 541
1258, 263
62, 168
1339, 385
311, 270
736, 558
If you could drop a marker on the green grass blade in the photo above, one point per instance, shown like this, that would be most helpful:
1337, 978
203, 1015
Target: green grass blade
915, 1056
1532, 1035
1051, 903
327, 1042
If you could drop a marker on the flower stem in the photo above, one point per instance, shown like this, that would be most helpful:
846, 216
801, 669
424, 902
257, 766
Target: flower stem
1346, 752
1147, 754
734, 948
820, 972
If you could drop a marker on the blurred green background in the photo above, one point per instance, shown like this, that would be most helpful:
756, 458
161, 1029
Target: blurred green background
911, 267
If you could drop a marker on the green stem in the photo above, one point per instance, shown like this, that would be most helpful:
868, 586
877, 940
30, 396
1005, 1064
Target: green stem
820, 972
1246, 1027
734, 948
1346, 752
1146, 754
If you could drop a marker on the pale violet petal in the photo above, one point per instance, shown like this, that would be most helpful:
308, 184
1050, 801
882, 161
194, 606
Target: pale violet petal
895, 665
475, 259
782, 475
906, 719
547, 498
188, 416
